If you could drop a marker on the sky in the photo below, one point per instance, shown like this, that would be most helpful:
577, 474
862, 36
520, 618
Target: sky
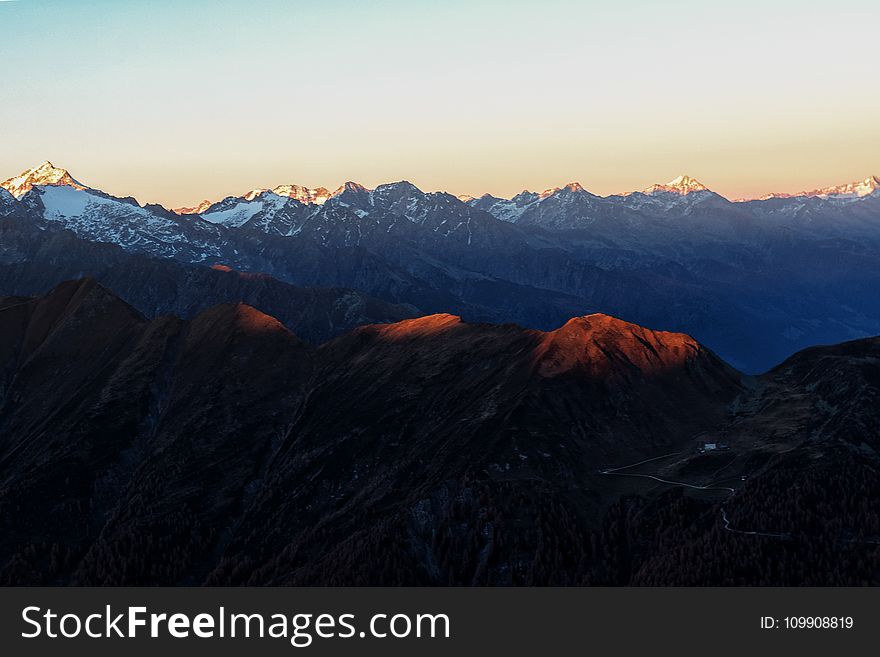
175, 102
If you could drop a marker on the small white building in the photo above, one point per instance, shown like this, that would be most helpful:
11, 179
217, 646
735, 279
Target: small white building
709, 447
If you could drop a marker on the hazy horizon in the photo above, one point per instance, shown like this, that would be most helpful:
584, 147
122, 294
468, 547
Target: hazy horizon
174, 103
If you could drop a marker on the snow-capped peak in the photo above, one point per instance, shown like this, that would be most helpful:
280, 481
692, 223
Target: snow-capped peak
305, 195
853, 190
43, 174
299, 193
254, 193
682, 185
850, 190
572, 187
868, 186
196, 209
350, 186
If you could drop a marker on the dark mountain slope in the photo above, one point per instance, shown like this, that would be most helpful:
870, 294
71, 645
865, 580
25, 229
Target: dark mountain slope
225, 439
224, 450
157, 424
415, 420
238, 379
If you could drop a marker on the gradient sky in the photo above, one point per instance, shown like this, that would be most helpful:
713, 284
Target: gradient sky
173, 101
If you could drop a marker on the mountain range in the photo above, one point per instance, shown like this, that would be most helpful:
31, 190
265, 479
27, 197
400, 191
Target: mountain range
754, 280
223, 449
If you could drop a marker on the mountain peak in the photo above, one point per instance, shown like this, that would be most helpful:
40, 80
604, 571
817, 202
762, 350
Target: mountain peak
602, 322
306, 195
351, 187
237, 318
682, 185
570, 188
600, 343
403, 186
316, 196
254, 193
418, 327
42, 174
195, 209
525, 196
853, 190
